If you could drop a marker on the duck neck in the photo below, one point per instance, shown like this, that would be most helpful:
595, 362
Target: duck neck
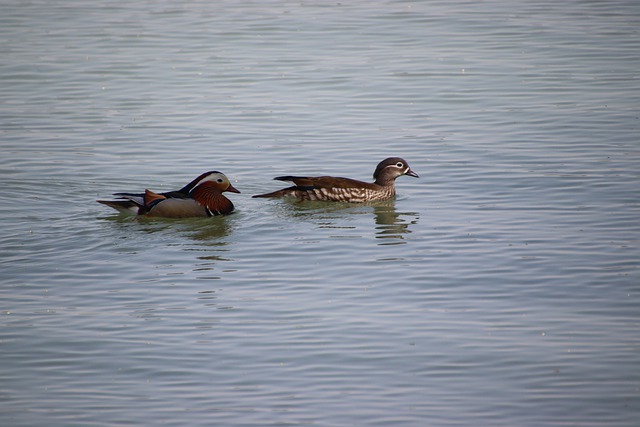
386, 181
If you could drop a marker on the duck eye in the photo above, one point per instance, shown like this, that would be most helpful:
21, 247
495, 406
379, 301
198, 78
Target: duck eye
220, 180
399, 165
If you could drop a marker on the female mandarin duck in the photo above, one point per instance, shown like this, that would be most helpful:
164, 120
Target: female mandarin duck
201, 197
337, 189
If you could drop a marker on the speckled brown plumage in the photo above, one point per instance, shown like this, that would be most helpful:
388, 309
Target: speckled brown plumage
338, 189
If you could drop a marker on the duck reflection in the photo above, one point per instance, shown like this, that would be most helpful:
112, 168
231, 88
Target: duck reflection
208, 238
212, 230
202, 229
391, 224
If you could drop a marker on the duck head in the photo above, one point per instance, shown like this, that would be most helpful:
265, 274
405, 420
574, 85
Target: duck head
391, 168
214, 179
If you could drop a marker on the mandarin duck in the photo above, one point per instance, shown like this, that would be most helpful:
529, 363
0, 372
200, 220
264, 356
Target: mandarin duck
337, 189
201, 197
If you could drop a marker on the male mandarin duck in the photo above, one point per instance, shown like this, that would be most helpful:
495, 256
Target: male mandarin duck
201, 197
337, 189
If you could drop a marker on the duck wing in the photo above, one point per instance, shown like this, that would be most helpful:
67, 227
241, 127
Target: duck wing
309, 183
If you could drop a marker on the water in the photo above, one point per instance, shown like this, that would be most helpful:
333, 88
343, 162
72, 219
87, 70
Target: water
501, 288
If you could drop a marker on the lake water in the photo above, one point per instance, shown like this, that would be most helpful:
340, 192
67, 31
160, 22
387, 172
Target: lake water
501, 288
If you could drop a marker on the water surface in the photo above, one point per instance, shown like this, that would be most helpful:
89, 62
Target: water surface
501, 288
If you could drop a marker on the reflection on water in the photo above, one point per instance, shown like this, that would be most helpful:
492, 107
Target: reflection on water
392, 224
207, 238
202, 229
208, 229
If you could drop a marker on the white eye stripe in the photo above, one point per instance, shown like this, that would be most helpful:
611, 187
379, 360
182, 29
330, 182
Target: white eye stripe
215, 177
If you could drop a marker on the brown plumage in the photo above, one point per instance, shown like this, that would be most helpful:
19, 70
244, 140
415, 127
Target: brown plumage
337, 189
201, 197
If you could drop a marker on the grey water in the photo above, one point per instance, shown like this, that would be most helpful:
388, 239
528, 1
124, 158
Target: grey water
501, 288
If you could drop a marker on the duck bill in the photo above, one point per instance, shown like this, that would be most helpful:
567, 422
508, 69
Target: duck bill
412, 173
232, 189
